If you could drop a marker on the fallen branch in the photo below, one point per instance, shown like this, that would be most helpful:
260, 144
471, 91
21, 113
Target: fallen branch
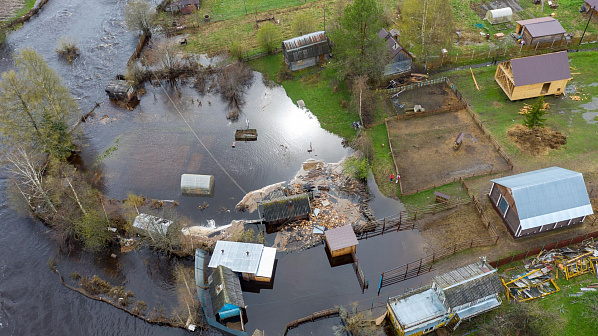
475, 81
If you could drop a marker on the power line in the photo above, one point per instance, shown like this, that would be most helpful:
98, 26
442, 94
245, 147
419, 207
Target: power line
198, 139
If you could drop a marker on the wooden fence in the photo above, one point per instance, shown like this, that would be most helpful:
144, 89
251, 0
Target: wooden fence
545, 247
363, 283
426, 264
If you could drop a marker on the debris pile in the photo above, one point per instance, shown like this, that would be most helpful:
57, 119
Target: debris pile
527, 108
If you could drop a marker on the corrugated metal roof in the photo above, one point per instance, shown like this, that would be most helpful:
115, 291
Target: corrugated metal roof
547, 196
266, 266
306, 40
239, 257
460, 275
286, 207
541, 68
545, 28
225, 288
474, 289
341, 237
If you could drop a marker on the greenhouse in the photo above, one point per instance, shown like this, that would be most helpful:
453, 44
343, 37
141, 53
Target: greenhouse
197, 185
501, 15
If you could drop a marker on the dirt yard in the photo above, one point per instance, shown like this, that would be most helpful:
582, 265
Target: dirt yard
536, 142
456, 225
431, 97
423, 150
8, 7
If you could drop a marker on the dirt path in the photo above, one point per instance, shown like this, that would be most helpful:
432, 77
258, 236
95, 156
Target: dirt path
8, 7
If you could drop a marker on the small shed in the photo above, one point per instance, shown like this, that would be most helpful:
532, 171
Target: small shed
540, 200
226, 294
254, 262
540, 30
151, 224
400, 58
534, 76
306, 50
286, 208
341, 241
500, 15
197, 185
184, 6
591, 6
119, 89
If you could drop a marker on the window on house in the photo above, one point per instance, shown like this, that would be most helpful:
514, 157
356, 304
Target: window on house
545, 88
218, 289
503, 205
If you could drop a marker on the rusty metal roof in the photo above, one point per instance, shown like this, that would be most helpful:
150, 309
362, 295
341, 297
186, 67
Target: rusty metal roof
341, 237
541, 68
304, 40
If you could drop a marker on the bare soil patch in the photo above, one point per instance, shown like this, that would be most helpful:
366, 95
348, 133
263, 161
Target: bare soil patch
537, 141
457, 225
433, 97
424, 154
8, 7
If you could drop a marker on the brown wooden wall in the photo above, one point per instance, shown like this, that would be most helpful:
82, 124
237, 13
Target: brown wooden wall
534, 90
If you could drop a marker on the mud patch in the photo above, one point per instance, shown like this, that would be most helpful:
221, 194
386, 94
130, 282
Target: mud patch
538, 141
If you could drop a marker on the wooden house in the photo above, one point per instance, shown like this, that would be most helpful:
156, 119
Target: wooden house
540, 200
284, 209
534, 76
226, 294
341, 241
460, 294
400, 59
253, 262
306, 50
591, 6
120, 89
540, 30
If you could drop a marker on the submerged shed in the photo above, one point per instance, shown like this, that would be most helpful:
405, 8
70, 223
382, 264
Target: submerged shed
151, 224
341, 241
286, 208
226, 294
500, 15
197, 185
119, 89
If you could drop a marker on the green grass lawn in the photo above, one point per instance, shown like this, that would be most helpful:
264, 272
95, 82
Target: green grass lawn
499, 114
28, 4
229, 9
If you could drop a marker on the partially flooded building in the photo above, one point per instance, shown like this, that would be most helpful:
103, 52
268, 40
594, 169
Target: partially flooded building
120, 89
253, 262
285, 209
341, 241
460, 294
540, 200
226, 294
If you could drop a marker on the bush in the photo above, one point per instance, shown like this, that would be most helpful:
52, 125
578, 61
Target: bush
236, 50
357, 167
269, 37
68, 49
303, 23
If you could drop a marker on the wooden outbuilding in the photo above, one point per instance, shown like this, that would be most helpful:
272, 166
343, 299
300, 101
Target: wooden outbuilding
591, 6
253, 262
226, 294
306, 50
540, 30
284, 209
534, 76
184, 6
120, 89
540, 200
341, 241
400, 58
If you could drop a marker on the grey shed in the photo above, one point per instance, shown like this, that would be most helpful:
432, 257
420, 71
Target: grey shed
119, 90
198, 185
225, 292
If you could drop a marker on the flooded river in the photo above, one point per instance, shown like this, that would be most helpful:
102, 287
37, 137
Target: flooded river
155, 146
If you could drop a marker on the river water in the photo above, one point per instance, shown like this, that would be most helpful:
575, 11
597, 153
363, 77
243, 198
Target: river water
155, 146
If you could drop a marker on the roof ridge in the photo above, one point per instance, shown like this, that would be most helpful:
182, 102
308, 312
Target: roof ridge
545, 182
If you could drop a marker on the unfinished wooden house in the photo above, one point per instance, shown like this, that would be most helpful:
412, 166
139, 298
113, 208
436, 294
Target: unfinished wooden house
400, 59
460, 294
341, 241
540, 30
226, 294
285, 209
253, 262
540, 200
305, 51
534, 76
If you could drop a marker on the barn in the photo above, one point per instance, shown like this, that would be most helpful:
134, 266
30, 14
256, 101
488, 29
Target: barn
534, 76
540, 30
401, 59
306, 51
540, 200
500, 15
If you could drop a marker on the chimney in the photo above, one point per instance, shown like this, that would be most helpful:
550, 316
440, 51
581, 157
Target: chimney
222, 251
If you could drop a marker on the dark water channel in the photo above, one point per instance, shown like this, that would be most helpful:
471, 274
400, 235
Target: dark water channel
155, 147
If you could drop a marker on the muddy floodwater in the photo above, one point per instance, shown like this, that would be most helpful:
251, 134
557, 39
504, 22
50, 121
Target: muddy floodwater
155, 146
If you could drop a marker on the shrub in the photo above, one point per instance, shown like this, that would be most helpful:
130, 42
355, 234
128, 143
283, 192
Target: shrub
357, 167
269, 37
68, 49
236, 50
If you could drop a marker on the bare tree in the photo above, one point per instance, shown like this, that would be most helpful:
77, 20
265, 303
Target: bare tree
140, 16
232, 80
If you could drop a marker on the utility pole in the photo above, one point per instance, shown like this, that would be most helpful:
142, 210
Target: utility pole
324, 17
244, 4
592, 9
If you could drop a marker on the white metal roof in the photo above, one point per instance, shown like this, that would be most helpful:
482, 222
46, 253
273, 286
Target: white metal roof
501, 12
239, 257
547, 196
415, 309
266, 266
